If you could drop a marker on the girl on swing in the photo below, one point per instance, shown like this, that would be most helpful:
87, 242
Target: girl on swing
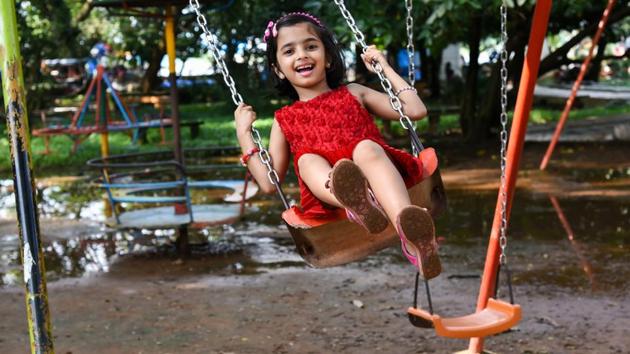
339, 156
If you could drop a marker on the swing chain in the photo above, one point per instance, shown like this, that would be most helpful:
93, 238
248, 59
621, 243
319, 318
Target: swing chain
410, 46
358, 35
394, 101
503, 136
213, 43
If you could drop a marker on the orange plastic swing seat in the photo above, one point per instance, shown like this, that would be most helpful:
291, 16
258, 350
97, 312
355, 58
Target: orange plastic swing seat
497, 317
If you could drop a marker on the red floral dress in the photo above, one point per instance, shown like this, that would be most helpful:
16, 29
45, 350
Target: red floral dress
331, 125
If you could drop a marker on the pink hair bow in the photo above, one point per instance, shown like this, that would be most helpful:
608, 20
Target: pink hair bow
270, 31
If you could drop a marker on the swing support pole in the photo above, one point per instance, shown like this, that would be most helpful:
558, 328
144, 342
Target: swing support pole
34, 273
514, 151
169, 38
576, 85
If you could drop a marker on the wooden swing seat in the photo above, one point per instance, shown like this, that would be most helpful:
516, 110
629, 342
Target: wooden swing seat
497, 317
336, 241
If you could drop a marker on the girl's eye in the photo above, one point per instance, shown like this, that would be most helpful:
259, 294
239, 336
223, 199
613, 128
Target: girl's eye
312, 46
288, 51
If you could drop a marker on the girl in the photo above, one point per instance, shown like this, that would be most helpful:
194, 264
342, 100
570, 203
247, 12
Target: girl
339, 156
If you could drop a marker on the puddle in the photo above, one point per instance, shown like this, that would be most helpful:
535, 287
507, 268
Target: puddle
540, 252
594, 174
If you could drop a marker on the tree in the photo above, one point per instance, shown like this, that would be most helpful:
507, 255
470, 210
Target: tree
473, 21
44, 33
563, 18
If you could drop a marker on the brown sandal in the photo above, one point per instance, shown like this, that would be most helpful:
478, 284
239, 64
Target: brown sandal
417, 236
348, 184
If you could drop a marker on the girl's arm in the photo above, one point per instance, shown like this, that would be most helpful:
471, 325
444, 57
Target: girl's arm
378, 103
278, 148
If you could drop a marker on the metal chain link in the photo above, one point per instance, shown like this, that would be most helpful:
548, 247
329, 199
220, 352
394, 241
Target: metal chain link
394, 101
503, 136
213, 43
411, 50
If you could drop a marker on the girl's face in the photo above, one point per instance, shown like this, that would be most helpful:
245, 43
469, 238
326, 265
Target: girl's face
301, 56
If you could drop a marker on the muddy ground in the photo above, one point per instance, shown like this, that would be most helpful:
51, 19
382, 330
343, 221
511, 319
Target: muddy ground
238, 303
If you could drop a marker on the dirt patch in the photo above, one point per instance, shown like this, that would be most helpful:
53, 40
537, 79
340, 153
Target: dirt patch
165, 305
299, 310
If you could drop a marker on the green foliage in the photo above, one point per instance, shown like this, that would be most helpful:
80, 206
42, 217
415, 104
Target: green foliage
218, 130
49, 29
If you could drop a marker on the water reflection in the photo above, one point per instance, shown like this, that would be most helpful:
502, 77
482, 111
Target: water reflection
585, 252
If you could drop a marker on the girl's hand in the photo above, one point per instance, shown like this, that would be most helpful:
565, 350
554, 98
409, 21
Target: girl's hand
374, 55
244, 115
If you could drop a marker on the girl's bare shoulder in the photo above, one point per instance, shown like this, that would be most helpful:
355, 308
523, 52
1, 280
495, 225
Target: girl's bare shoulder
357, 90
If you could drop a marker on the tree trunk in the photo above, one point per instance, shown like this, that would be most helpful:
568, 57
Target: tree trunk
596, 65
434, 73
488, 118
559, 56
424, 63
471, 130
150, 80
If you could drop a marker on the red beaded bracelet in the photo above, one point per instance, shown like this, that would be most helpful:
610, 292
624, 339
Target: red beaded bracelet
248, 155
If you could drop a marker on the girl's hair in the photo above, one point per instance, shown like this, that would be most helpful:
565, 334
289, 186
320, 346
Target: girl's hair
334, 75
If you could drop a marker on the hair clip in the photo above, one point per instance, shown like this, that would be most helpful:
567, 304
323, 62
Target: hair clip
306, 14
270, 31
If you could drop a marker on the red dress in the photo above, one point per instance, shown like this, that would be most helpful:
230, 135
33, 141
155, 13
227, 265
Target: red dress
331, 125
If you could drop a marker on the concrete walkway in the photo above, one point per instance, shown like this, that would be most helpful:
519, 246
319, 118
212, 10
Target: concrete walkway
586, 130
599, 92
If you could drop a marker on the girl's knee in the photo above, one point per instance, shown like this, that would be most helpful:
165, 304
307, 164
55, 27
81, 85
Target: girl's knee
305, 160
367, 150
310, 160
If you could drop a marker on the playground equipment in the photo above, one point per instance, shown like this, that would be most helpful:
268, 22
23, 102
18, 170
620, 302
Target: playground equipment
496, 316
31, 255
103, 122
165, 188
576, 85
69, 74
13, 88
336, 241
491, 316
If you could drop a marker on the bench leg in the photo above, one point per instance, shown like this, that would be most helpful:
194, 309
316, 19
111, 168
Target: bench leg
46, 145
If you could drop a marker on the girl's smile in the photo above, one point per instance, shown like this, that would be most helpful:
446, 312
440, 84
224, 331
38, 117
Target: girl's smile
305, 70
301, 57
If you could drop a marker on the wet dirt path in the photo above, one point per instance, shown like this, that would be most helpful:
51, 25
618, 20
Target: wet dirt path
255, 296
299, 310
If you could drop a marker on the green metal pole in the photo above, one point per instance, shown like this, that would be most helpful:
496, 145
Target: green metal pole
25, 202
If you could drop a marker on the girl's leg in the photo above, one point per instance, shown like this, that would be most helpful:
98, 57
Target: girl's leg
413, 224
314, 171
347, 188
385, 180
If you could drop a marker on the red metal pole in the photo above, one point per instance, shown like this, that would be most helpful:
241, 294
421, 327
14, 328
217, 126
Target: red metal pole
514, 150
576, 85
77, 114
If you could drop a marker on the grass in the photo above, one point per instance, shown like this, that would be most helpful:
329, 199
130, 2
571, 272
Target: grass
218, 130
544, 115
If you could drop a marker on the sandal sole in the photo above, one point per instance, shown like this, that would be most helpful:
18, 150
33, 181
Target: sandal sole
350, 188
418, 234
